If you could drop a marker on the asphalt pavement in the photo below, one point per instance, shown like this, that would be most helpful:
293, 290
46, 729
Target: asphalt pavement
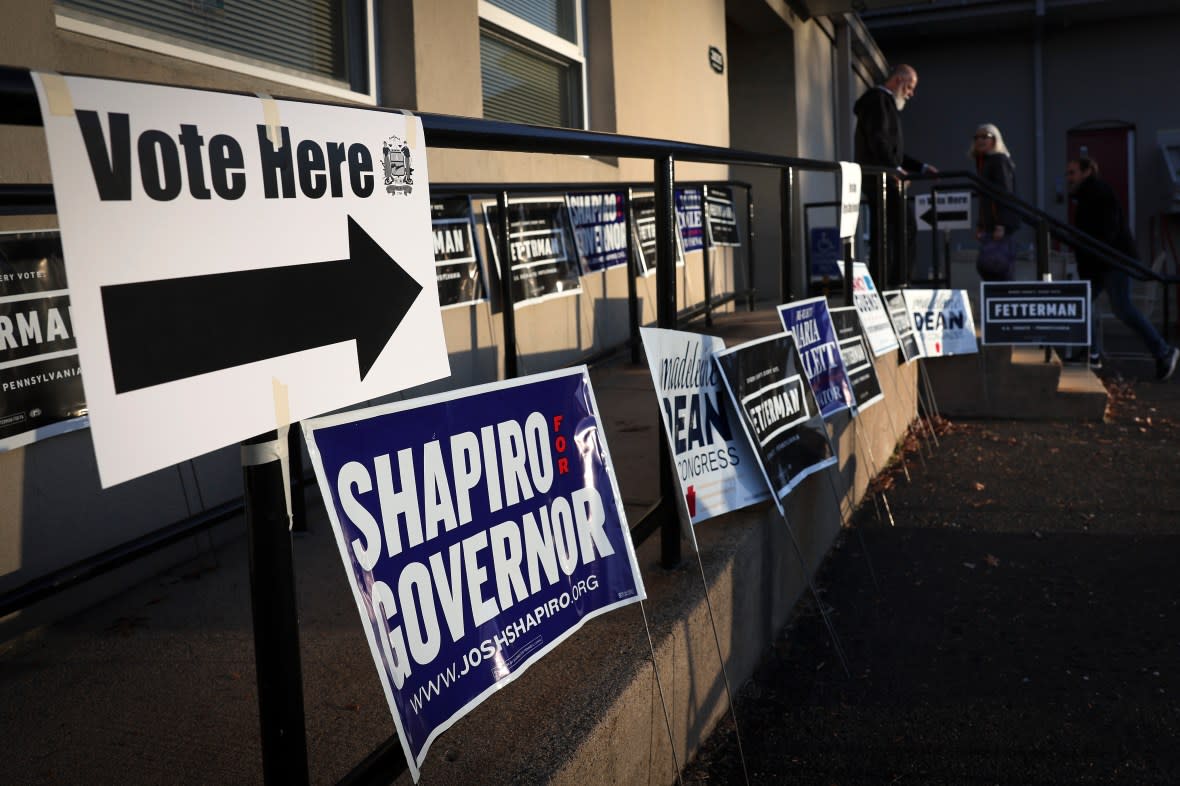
1023, 623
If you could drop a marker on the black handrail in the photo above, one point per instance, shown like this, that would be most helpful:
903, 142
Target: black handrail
1073, 236
1047, 225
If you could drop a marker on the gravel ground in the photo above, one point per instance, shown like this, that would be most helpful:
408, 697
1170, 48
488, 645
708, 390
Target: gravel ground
1022, 629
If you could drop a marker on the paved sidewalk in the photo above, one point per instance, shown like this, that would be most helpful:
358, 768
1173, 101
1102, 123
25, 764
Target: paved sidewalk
1025, 630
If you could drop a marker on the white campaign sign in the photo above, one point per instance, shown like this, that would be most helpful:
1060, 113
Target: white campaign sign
953, 209
235, 262
867, 299
714, 462
849, 198
942, 321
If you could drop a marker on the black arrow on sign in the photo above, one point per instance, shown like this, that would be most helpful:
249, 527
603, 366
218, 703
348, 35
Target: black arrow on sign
945, 215
162, 331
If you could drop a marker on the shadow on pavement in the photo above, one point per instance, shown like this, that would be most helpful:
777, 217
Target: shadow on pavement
1026, 626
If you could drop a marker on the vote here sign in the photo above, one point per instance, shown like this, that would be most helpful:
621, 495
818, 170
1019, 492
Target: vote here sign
236, 262
479, 529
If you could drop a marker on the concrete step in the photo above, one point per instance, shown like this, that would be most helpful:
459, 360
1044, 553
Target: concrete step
1015, 383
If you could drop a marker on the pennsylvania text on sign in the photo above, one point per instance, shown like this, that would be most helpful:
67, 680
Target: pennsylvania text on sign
1036, 312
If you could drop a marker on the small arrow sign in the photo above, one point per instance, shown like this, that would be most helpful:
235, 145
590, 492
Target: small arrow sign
944, 216
171, 329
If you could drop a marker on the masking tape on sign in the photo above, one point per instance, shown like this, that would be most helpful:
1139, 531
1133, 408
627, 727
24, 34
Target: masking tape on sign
275, 450
270, 118
411, 129
282, 400
57, 94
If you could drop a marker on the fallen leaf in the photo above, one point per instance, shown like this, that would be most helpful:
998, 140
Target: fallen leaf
992, 560
969, 565
979, 486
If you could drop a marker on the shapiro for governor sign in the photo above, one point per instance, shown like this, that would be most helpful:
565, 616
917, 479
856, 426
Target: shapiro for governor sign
236, 262
479, 529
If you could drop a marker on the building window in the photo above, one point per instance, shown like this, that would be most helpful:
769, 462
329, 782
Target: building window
321, 45
532, 61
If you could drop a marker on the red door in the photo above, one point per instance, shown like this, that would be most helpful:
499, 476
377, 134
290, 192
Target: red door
1112, 147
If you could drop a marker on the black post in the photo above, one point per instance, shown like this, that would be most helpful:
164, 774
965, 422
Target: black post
934, 232
1042, 250
507, 305
664, 180
295, 478
750, 247
786, 224
893, 247
632, 288
846, 245
902, 242
275, 613
946, 255
879, 227
707, 273
665, 243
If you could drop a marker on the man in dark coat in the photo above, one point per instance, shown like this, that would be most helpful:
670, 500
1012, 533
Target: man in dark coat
1099, 214
879, 142
879, 139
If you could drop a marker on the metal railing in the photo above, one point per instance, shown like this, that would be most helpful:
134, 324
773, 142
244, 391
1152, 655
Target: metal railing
19, 107
1048, 227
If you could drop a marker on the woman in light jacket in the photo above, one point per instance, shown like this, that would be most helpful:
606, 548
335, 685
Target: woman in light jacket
996, 221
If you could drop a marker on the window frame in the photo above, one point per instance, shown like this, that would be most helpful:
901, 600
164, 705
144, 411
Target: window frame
78, 21
509, 27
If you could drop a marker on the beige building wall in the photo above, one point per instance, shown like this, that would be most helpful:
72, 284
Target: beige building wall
649, 75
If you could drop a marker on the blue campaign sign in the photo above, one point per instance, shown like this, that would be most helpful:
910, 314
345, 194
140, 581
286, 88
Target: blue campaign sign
826, 249
600, 228
479, 529
816, 339
689, 219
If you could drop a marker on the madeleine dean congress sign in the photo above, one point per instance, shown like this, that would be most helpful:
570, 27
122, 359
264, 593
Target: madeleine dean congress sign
714, 461
236, 262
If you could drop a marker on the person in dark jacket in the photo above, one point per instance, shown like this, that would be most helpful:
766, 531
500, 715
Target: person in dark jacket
880, 142
1099, 214
879, 137
996, 221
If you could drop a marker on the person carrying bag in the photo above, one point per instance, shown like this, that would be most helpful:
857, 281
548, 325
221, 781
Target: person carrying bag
997, 222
